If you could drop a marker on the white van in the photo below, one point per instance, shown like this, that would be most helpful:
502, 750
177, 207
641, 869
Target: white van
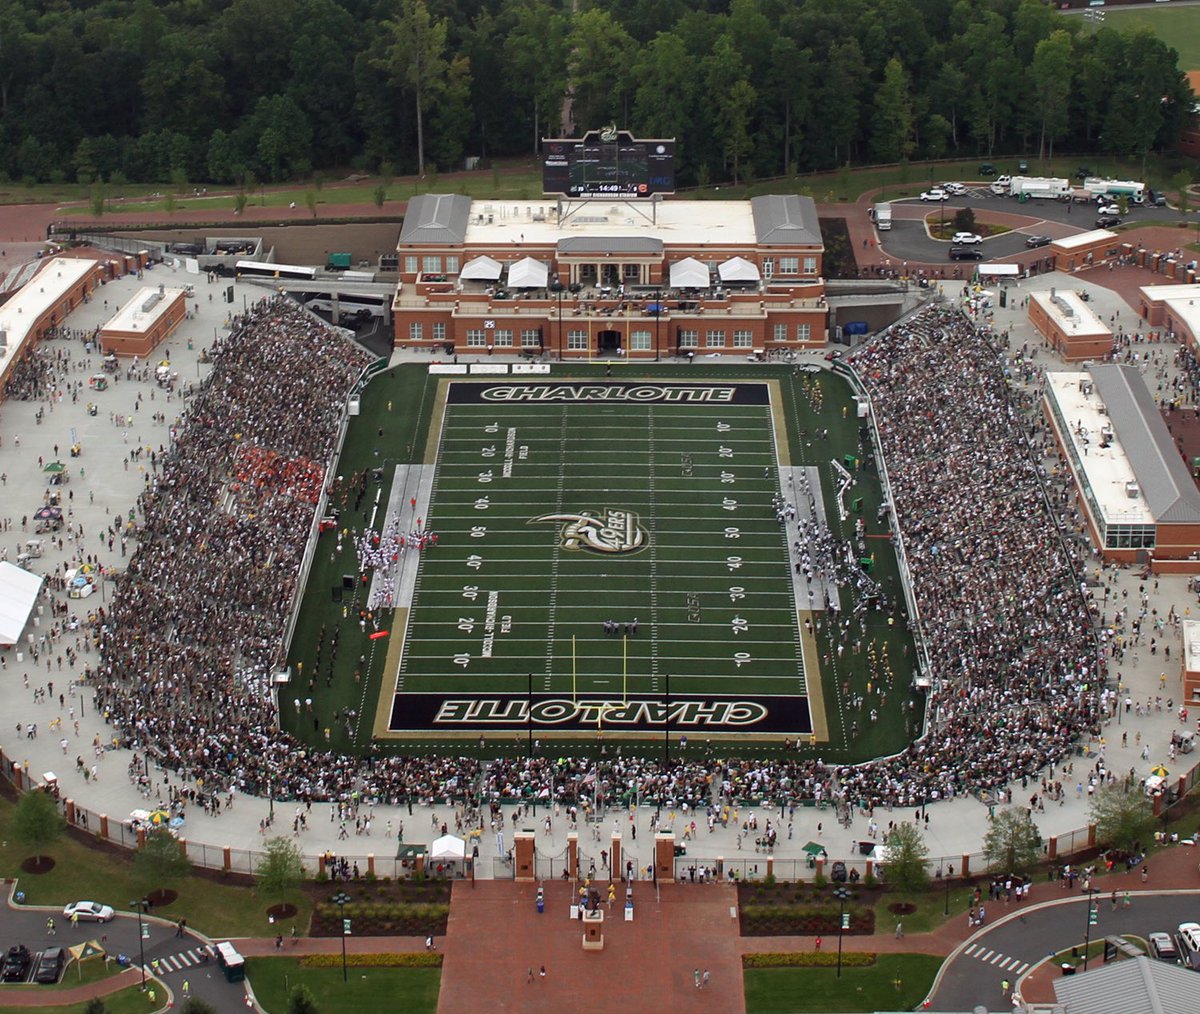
1188, 938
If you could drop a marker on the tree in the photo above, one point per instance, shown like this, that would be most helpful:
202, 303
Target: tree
194, 1005
1122, 817
95, 1006
416, 60
160, 861
1013, 843
600, 53
892, 123
96, 199
964, 220
379, 195
240, 201
281, 869
907, 851
1053, 61
310, 201
36, 821
1181, 182
301, 1001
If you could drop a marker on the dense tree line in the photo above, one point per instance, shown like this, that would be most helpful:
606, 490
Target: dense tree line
226, 90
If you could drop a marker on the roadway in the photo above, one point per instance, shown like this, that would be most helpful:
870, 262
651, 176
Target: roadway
908, 239
178, 958
1012, 947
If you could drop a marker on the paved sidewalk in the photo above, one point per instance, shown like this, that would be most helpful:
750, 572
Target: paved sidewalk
39, 996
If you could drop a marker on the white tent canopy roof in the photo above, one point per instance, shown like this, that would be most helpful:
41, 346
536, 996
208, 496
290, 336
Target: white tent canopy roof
689, 273
448, 847
481, 269
528, 273
999, 269
18, 595
738, 269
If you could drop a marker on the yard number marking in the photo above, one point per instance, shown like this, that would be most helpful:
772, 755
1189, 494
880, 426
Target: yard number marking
478, 531
474, 561
728, 504
485, 476
728, 478
492, 428
735, 592
724, 452
470, 592
723, 427
733, 562
740, 625
466, 624
463, 658
482, 504
488, 452
733, 533
740, 658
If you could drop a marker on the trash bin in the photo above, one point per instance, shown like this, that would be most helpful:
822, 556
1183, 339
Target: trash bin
1068, 969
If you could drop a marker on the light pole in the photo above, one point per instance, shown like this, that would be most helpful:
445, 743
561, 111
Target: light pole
341, 899
557, 288
141, 905
949, 874
1093, 916
529, 715
842, 896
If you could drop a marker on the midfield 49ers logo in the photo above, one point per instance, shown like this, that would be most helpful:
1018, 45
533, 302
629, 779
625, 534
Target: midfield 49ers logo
611, 530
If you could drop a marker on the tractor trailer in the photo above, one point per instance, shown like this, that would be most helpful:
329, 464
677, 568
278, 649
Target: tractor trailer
1024, 187
1110, 190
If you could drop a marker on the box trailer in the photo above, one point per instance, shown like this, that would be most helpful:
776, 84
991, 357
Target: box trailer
1108, 190
1046, 187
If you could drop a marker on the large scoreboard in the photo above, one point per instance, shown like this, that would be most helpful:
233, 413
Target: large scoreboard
608, 163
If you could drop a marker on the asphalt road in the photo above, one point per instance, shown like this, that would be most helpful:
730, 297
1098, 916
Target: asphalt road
179, 958
908, 241
972, 974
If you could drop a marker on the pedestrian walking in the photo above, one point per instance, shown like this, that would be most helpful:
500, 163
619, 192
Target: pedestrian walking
817, 944
1145, 873
899, 930
429, 943
542, 973
530, 979
696, 977
186, 989
704, 980
50, 930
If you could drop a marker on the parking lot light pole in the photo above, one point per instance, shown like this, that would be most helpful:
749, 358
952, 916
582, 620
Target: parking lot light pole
341, 899
141, 904
842, 896
1093, 914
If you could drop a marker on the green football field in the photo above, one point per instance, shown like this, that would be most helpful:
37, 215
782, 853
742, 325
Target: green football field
563, 523
616, 553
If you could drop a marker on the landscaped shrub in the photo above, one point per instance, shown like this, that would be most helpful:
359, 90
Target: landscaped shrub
808, 959
421, 959
792, 920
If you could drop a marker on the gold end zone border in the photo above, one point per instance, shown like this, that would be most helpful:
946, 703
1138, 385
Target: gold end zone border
387, 688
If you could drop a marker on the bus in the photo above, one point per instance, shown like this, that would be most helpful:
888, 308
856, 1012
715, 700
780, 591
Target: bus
258, 269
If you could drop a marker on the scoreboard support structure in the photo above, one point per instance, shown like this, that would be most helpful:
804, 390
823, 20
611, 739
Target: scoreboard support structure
567, 207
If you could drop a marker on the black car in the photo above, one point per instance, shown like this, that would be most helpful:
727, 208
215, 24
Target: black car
1022, 166
16, 964
987, 169
1083, 172
1107, 221
50, 966
966, 253
1035, 241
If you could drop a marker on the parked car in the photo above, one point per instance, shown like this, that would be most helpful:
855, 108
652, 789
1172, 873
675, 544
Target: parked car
1107, 221
1035, 241
966, 238
1108, 209
89, 911
1156, 198
1163, 947
1083, 172
966, 253
936, 194
957, 189
1022, 166
16, 964
50, 966
987, 169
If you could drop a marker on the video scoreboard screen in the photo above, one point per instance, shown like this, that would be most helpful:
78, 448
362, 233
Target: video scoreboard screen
608, 163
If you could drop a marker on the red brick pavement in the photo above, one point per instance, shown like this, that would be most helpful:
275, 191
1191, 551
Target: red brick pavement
39, 996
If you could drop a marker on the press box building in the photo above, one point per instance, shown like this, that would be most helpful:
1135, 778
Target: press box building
643, 280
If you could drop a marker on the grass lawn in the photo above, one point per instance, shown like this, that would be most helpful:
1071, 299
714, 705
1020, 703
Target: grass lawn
1178, 27
213, 908
413, 990
130, 1000
896, 982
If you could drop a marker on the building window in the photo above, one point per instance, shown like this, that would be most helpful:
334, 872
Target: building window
768, 267
451, 265
439, 332
531, 338
789, 265
577, 340
431, 265
476, 338
714, 340
689, 339
779, 332
803, 332
416, 332
504, 338
810, 266
639, 341
743, 339
410, 265
632, 273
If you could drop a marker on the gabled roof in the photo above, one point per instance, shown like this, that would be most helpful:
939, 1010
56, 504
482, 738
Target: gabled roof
785, 220
1135, 986
609, 244
1161, 474
437, 219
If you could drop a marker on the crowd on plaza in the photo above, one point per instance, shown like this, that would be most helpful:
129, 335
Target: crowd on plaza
195, 630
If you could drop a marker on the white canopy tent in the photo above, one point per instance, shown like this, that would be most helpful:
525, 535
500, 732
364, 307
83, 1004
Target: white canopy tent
18, 595
738, 269
481, 269
448, 847
1010, 270
689, 273
528, 273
